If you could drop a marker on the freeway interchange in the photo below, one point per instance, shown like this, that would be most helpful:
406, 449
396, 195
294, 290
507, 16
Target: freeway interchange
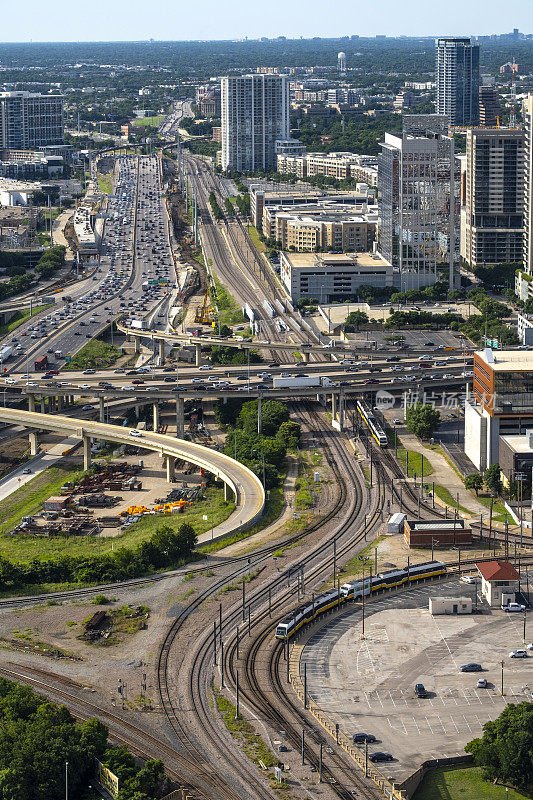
136, 248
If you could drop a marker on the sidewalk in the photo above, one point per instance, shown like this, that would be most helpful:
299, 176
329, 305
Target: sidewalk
444, 475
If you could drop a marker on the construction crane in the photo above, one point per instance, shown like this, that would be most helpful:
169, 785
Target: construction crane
204, 313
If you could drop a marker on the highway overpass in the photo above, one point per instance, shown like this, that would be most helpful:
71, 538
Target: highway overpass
247, 488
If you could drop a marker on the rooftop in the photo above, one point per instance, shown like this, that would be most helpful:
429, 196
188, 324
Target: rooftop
506, 360
436, 525
498, 571
321, 260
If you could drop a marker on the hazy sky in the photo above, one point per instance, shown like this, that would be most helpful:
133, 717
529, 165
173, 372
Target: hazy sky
115, 20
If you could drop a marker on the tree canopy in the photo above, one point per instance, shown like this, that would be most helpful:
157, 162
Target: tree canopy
422, 420
506, 747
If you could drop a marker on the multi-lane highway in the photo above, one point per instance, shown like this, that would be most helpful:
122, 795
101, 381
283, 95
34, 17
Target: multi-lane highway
135, 250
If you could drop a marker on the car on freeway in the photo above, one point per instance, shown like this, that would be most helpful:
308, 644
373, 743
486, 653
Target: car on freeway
84, 386
420, 690
471, 667
87, 407
10, 380
89, 372
361, 738
26, 471
31, 383
518, 653
204, 367
482, 683
380, 757
510, 607
168, 379
119, 371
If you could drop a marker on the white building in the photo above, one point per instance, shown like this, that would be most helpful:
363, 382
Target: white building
332, 276
255, 114
30, 121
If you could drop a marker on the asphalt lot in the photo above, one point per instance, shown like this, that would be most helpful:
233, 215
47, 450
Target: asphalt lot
368, 685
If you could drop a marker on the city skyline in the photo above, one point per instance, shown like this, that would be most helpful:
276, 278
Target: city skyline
137, 22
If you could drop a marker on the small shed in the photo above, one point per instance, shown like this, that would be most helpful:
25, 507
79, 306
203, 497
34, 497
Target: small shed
56, 503
450, 605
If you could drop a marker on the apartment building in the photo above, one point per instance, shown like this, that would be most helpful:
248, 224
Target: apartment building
334, 165
264, 204
457, 73
255, 114
490, 110
341, 231
524, 277
30, 121
492, 214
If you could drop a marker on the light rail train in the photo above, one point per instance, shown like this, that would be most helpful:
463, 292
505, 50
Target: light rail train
376, 431
353, 592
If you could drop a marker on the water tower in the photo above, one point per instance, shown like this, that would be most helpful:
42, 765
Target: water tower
341, 62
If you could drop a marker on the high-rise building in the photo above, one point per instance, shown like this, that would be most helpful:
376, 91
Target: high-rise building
457, 93
255, 114
29, 121
527, 261
492, 214
418, 206
489, 106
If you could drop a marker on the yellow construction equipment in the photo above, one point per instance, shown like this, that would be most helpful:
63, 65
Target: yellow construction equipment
204, 314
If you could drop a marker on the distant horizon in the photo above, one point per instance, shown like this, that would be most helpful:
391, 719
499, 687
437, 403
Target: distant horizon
260, 37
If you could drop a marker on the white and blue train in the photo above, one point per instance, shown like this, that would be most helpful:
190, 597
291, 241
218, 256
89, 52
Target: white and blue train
353, 592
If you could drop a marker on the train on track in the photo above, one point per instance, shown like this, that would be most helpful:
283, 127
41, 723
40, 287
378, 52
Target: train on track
352, 592
376, 431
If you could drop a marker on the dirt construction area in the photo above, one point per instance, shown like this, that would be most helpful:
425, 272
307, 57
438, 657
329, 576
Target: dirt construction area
367, 685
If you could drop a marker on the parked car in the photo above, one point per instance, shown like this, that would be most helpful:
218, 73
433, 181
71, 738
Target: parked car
420, 690
482, 683
361, 738
471, 667
518, 654
380, 757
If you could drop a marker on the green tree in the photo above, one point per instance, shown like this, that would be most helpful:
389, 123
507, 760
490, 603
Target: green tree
475, 482
422, 420
506, 746
492, 479
355, 319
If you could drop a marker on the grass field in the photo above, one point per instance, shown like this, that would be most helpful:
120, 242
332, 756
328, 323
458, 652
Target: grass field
20, 317
415, 463
148, 122
499, 512
446, 496
94, 354
462, 784
255, 239
230, 312
29, 500
104, 182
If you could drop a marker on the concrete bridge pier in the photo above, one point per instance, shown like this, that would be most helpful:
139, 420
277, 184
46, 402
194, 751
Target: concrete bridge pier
87, 455
180, 421
341, 410
43, 407
161, 352
305, 356
60, 403
198, 350
228, 493
333, 406
101, 408
136, 344
31, 403
34, 444
171, 461
156, 416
